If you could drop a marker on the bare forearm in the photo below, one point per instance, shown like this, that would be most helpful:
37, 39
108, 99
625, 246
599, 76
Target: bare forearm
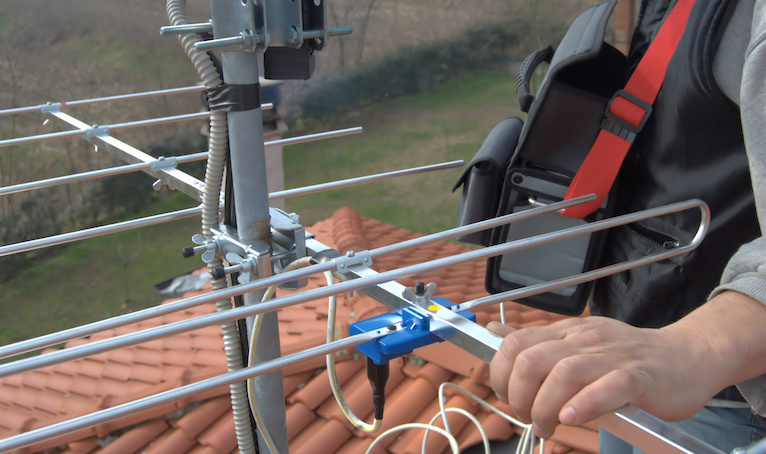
731, 328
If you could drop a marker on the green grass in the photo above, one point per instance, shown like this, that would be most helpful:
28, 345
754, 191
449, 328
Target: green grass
97, 278
446, 124
94, 279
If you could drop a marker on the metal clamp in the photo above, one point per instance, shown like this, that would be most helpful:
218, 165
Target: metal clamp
163, 163
51, 107
96, 131
353, 259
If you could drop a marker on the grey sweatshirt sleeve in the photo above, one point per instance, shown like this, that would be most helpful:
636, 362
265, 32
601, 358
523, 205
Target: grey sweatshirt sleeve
746, 271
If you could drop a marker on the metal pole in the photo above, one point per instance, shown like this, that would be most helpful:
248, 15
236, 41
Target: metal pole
251, 202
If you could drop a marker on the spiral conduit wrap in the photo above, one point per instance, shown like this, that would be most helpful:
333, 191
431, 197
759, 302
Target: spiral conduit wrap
217, 145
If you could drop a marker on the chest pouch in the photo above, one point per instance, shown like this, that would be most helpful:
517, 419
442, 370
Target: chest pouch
523, 166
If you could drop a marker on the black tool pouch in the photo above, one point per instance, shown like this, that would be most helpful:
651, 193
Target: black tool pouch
482, 179
563, 121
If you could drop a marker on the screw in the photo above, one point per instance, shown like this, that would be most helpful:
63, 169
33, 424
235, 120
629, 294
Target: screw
292, 35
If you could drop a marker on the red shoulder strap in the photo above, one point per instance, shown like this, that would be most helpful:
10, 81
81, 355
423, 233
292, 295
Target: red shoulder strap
626, 115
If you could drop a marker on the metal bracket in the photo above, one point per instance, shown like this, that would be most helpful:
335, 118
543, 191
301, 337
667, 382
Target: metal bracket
51, 107
353, 259
163, 163
96, 131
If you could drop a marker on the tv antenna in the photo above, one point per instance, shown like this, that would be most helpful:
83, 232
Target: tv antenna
258, 244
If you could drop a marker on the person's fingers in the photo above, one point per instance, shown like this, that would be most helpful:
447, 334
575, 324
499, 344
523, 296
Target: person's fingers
499, 329
503, 364
610, 392
568, 376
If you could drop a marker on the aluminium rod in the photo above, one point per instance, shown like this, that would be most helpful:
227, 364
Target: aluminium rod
93, 174
363, 180
604, 271
60, 356
71, 237
148, 313
317, 136
112, 413
56, 181
105, 129
82, 102
94, 232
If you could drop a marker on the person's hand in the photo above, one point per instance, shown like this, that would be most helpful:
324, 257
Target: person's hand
575, 370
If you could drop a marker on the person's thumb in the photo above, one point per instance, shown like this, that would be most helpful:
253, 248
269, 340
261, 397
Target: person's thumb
499, 329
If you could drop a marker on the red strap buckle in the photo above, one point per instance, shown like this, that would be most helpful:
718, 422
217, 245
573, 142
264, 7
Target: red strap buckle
619, 115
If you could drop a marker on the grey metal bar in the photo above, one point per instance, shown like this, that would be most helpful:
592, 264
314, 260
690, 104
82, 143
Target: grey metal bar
651, 434
112, 413
202, 27
316, 136
97, 130
28, 364
50, 182
70, 237
82, 102
105, 230
171, 177
610, 269
481, 225
102, 129
363, 180
152, 312
93, 174
145, 314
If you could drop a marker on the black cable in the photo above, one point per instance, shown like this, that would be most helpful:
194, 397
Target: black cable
378, 376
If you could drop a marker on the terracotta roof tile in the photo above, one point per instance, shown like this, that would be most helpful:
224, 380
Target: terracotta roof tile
199, 419
83, 446
220, 435
357, 446
331, 436
176, 441
318, 390
137, 437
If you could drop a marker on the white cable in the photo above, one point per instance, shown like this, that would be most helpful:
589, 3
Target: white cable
452, 441
471, 417
527, 442
255, 330
502, 313
332, 375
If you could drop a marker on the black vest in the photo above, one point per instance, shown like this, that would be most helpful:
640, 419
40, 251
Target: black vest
691, 147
